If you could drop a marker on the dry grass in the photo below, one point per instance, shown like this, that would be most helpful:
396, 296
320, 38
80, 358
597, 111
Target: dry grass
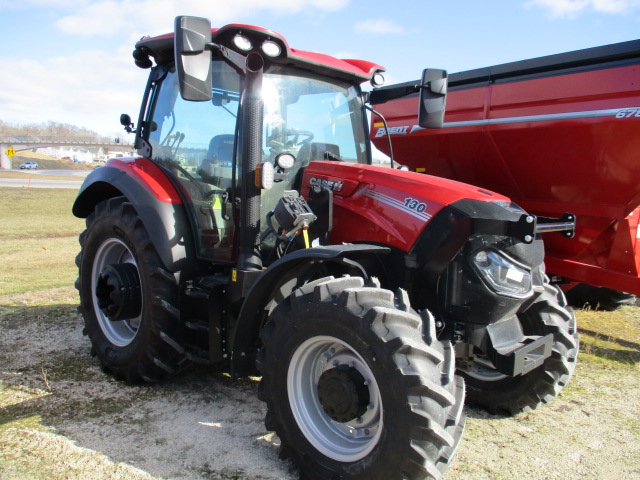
611, 337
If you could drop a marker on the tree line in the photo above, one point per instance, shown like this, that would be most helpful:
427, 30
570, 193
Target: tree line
47, 129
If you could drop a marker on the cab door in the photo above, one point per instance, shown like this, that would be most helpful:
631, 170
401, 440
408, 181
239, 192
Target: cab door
197, 143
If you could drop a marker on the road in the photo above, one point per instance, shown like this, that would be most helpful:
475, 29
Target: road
33, 179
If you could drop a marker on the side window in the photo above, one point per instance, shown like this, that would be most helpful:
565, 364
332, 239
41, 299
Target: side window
196, 141
198, 136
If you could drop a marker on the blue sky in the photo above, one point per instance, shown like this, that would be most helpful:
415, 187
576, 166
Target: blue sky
70, 60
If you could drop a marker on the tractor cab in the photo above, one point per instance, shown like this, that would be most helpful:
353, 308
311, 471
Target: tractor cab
265, 114
237, 115
305, 117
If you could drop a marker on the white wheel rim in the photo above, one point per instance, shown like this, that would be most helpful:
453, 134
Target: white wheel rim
344, 442
122, 332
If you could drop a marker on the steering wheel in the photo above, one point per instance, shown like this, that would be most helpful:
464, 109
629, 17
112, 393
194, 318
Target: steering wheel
293, 143
295, 133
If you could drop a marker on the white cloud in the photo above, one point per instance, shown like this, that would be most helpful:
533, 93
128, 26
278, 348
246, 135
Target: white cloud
138, 17
49, 4
92, 88
572, 8
73, 89
378, 25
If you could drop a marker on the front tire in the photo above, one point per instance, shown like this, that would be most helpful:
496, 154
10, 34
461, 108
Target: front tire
357, 386
135, 337
489, 389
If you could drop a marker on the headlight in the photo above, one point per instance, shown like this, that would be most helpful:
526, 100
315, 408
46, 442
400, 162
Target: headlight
502, 274
271, 49
242, 43
285, 160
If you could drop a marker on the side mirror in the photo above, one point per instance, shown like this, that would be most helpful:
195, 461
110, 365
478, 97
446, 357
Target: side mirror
125, 121
433, 98
193, 58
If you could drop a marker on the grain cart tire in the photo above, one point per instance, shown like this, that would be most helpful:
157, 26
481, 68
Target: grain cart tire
489, 389
127, 298
357, 386
598, 298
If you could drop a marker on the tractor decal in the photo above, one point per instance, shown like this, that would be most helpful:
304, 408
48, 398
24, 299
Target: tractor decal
411, 206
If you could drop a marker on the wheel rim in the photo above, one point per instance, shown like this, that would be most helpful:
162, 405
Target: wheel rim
122, 332
342, 441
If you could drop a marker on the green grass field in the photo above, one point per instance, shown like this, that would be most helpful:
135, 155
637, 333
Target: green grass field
38, 239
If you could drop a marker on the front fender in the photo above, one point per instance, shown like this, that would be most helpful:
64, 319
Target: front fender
277, 282
154, 197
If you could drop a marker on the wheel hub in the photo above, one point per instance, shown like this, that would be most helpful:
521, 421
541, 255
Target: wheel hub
343, 393
118, 291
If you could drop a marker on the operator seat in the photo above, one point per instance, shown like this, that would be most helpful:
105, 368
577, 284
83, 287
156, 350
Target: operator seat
309, 152
216, 167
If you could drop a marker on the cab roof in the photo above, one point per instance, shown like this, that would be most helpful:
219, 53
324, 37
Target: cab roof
161, 49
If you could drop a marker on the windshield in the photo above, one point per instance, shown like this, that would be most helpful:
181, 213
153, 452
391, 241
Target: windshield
312, 118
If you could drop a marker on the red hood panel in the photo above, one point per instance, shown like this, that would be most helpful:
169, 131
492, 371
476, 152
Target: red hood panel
385, 206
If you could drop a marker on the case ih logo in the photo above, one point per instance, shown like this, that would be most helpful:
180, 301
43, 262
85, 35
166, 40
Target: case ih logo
335, 185
392, 131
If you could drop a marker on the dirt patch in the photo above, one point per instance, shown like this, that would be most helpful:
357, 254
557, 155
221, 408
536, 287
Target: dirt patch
61, 417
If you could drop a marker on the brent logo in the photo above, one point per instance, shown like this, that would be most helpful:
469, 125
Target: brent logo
392, 131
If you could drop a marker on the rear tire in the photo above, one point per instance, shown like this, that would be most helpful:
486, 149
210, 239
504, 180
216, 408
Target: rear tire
143, 345
489, 389
357, 386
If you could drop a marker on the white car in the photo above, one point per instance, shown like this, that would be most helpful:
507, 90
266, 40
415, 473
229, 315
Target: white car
28, 165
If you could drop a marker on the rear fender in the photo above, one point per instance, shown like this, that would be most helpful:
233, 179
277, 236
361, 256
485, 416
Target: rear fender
277, 283
155, 199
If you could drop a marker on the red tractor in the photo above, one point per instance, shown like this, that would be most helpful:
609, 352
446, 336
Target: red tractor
253, 233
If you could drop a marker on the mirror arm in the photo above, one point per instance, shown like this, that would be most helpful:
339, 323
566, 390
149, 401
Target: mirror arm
386, 131
386, 94
234, 59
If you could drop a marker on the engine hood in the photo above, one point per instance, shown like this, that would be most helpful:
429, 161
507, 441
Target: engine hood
386, 206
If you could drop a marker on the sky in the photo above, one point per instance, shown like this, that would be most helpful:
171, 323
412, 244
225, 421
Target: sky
69, 61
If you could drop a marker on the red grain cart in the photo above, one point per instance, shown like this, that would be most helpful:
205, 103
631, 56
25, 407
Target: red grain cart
557, 134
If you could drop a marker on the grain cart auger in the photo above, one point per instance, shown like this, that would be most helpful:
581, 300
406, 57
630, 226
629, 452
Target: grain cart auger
253, 233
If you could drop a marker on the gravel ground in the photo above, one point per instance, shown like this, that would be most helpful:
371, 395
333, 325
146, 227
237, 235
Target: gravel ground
62, 418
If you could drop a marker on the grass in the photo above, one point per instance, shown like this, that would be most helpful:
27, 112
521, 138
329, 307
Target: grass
610, 338
38, 239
